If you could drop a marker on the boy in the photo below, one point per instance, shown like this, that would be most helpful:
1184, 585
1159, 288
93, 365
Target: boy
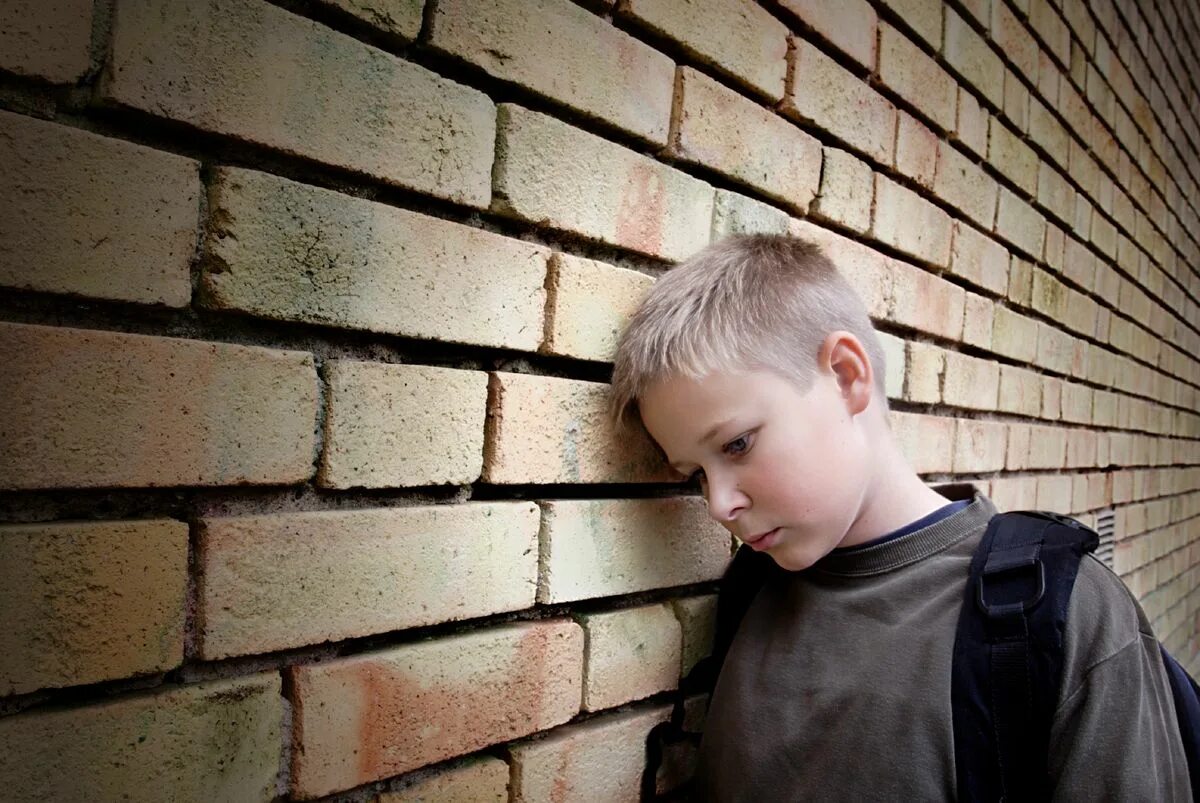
755, 369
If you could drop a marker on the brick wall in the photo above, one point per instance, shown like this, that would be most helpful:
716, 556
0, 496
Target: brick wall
306, 488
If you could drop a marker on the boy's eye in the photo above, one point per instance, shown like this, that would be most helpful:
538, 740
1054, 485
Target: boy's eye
739, 445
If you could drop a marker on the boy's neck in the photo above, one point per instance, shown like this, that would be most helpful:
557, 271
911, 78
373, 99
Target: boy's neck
895, 498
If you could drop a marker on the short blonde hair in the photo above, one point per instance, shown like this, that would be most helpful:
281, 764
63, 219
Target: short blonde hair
748, 302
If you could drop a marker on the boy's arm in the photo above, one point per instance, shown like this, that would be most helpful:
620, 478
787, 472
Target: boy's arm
1115, 736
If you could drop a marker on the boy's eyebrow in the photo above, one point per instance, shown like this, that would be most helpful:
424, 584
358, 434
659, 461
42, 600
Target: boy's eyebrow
707, 437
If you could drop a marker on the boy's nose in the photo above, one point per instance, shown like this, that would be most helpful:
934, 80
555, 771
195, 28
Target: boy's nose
725, 500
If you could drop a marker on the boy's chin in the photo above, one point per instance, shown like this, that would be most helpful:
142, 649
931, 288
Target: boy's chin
792, 560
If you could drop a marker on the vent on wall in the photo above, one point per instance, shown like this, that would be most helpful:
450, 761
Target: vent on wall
1106, 527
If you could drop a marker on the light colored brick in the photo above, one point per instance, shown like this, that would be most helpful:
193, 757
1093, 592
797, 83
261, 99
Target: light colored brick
94, 216
979, 446
907, 70
738, 214
288, 251
554, 175
698, 620
830, 97
606, 547
868, 271
926, 441
926, 302
592, 66
970, 382
717, 128
1016, 101
1009, 154
105, 409
208, 741
1020, 391
926, 368
963, 184
1055, 193
1055, 349
916, 150
1017, 453
1081, 448
1047, 447
272, 582
847, 191
546, 429
479, 780
1055, 238
1020, 224
1077, 403
1079, 263
851, 25
923, 16
979, 259
977, 321
969, 54
601, 759
630, 654
908, 222
399, 18
1014, 40
392, 426
972, 123
378, 714
1054, 492
738, 37
223, 65
1049, 295
47, 39
1014, 335
1014, 493
67, 619
1052, 390
1048, 25
590, 303
1020, 281
897, 364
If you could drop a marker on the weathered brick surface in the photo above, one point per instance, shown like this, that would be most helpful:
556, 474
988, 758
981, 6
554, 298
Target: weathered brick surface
544, 429
550, 173
738, 37
605, 547
979, 445
963, 184
717, 128
971, 125
382, 713
571, 56
94, 216
926, 302
479, 780
698, 620
270, 582
923, 16
907, 221
970, 382
222, 65
927, 441
832, 98
978, 319
897, 364
926, 368
289, 251
916, 150
97, 409
1014, 40
209, 741
979, 259
402, 425
47, 39
1009, 154
630, 654
847, 191
602, 759
734, 213
851, 25
400, 18
1020, 224
590, 302
1020, 391
968, 53
68, 618
907, 70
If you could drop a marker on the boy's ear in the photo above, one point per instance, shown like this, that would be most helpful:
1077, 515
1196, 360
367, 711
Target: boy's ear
845, 356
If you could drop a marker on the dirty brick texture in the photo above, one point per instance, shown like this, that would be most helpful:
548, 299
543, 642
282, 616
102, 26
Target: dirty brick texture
307, 488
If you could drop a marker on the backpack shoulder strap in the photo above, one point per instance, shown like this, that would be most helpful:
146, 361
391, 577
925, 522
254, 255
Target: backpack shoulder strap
1008, 653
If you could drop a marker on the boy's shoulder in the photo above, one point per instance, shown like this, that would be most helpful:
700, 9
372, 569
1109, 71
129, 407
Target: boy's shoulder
1103, 618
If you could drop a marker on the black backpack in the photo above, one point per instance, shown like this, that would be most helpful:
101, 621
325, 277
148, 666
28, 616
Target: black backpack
1008, 655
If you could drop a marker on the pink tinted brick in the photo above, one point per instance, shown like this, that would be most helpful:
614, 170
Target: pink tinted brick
106, 409
275, 581
47, 39
552, 174
916, 150
738, 37
717, 128
828, 96
601, 759
630, 654
926, 302
1020, 391
592, 67
606, 547
851, 25
223, 65
94, 216
971, 123
908, 222
911, 73
383, 713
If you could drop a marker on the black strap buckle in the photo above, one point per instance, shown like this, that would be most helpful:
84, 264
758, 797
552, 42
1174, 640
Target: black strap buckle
1006, 568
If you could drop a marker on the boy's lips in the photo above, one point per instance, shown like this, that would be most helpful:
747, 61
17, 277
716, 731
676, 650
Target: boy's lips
762, 540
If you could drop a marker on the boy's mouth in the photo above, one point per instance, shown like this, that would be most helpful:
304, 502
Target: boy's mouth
762, 540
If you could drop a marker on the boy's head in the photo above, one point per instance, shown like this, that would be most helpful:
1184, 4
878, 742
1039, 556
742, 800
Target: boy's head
754, 366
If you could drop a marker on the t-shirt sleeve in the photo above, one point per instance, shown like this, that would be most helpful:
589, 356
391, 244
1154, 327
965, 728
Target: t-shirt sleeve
1114, 736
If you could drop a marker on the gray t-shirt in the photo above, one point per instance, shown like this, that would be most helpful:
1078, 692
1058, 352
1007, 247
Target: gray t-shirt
837, 686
